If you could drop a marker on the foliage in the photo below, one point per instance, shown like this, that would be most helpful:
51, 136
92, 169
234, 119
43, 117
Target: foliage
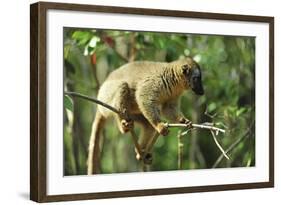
228, 65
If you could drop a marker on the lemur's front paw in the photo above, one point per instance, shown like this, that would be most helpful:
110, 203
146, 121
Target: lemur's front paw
186, 121
127, 125
162, 129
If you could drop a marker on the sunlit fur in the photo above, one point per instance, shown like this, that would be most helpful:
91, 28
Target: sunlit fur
147, 91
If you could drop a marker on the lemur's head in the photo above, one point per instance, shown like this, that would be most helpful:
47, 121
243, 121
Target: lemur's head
192, 72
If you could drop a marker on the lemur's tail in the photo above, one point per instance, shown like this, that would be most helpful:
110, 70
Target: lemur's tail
94, 145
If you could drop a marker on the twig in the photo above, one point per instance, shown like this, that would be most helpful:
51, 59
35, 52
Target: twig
133, 50
209, 115
180, 150
185, 132
135, 140
122, 114
120, 55
74, 94
155, 137
94, 68
219, 146
232, 146
202, 126
151, 142
145, 167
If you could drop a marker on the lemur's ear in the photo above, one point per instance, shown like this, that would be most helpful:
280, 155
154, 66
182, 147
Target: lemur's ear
185, 69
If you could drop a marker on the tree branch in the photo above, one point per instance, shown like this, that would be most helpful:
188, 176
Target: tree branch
154, 138
137, 146
180, 150
120, 55
122, 114
94, 68
214, 130
202, 126
219, 146
74, 94
235, 144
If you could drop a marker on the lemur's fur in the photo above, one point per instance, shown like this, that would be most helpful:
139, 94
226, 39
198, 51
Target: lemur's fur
146, 90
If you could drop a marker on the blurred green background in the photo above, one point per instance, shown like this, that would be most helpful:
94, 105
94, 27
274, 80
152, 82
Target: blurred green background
228, 69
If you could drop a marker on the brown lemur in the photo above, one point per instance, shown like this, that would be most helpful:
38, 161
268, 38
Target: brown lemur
145, 90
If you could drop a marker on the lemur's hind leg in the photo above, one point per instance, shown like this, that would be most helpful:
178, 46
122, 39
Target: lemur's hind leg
121, 102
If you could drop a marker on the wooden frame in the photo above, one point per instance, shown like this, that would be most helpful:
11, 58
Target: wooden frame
38, 95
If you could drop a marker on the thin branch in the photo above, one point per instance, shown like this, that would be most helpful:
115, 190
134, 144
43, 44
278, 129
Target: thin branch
151, 142
180, 150
209, 115
202, 126
145, 167
133, 49
219, 146
214, 130
125, 59
135, 140
94, 68
232, 146
120, 55
155, 137
187, 131
74, 94
123, 114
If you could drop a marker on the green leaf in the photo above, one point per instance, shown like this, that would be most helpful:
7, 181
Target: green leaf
93, 42
212, 107
240, 111
68, 103
82, 37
